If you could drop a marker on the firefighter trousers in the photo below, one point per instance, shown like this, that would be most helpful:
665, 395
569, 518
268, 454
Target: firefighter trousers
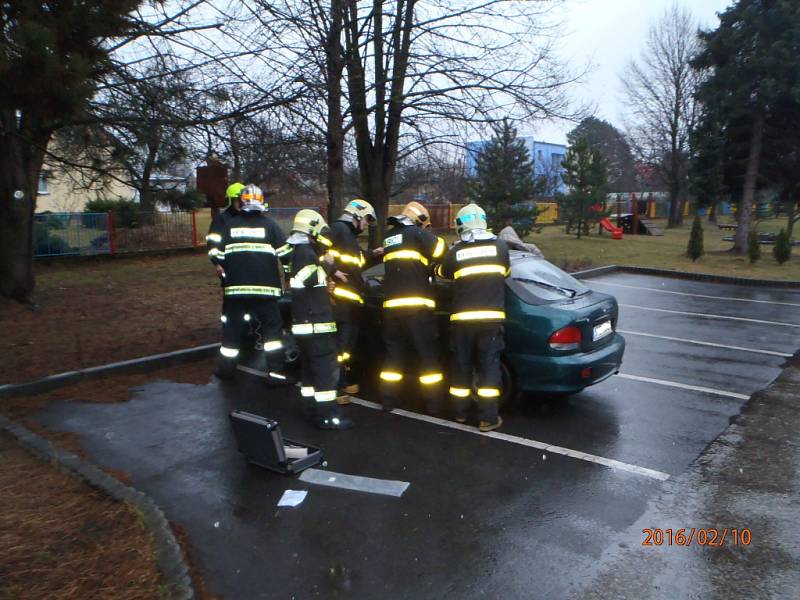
320, 374
411, 333
265, 318
476, 347
346, 315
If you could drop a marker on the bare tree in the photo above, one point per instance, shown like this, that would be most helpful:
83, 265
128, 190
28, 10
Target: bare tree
659, 90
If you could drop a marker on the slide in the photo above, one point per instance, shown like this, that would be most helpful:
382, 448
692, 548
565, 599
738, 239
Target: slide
616, 232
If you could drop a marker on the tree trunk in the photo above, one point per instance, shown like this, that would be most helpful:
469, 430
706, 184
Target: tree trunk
745, 213
21, 157
674, 207
335, 133
146, 192
791, 211
712, 212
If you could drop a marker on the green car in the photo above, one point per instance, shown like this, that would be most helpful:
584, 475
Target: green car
560, 335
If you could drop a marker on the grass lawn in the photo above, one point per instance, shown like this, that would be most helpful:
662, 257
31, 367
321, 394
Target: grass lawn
666, 252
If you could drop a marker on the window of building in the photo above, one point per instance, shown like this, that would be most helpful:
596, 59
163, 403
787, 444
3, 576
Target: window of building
43, 187
556, 158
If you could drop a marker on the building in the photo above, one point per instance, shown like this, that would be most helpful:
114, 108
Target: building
66, 190
546, 158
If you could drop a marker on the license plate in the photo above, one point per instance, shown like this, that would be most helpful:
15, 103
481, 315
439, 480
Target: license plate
601, 331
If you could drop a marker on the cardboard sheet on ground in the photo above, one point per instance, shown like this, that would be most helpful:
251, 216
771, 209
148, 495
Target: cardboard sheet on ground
356, 483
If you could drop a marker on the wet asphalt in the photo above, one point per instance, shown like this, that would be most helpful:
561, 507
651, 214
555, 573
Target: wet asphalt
482, 518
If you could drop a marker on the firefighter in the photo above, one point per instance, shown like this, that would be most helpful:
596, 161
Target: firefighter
479, 264
409, 321
252, 284
349, 285
313, 325
214, 237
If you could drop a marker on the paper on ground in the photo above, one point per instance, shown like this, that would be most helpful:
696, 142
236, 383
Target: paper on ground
292, 497
385, 487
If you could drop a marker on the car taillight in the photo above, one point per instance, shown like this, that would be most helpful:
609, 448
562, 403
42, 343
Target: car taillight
568, 338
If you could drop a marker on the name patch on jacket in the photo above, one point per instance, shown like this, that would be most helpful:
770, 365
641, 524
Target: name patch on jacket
479, 252
393, 240
248, 232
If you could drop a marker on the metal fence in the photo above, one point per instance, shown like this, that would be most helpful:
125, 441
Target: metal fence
71, 234
78, 234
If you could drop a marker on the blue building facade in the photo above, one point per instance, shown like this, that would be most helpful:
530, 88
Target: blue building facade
546, 158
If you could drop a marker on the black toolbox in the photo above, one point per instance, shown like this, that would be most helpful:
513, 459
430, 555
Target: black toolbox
261, 441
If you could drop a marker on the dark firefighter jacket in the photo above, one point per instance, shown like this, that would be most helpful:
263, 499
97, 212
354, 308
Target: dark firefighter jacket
248, 254
479, 268
312, 312
408, 256
215, 232
350, 260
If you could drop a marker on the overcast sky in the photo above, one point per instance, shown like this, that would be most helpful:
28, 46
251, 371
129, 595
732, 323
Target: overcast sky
608, 33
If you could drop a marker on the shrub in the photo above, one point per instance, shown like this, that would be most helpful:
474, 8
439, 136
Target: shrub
782, 251
753, 246
126, 212
177, 200
695, 248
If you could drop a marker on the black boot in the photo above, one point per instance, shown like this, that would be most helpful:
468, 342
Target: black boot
226, 369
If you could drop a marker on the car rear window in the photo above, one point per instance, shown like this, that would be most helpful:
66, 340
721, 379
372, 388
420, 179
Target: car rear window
527, 269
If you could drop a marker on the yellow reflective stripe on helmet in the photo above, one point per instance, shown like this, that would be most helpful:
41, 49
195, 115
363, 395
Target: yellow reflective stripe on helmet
478, 315
228, 352
480, 270
488, 392
406, 255
311, 328
391, 376
249, 247
347, 294
307, 391
431, 378
414, 301
327, 396
214, 237
440, 247
460, 392
252, 290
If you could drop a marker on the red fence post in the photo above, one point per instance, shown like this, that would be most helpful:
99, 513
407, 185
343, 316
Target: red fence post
112, 235
194, 229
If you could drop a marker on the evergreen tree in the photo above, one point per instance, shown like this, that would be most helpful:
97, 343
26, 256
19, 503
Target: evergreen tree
753, 246
504, 185
750, 76
782, 251
695, 249
614, 149
51, 54
586, 177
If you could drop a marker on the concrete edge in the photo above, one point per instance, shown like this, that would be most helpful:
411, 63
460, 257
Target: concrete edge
127, 367
169, 557
747, 281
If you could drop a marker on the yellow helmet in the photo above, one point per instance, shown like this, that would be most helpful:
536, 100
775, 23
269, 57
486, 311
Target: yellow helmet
311, 222
233, 192
361, 209
418, 214
253, 199
470, 217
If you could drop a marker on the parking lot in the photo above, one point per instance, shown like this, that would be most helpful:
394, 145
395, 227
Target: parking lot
524, 512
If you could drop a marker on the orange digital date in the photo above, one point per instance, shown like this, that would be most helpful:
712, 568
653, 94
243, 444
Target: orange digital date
699, 536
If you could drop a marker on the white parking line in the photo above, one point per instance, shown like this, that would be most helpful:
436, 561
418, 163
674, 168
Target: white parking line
649, 289
699, 343
710, 316
513, 439
684, 386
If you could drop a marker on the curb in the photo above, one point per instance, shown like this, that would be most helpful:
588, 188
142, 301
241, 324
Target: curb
169, 557
773, 283
136, 365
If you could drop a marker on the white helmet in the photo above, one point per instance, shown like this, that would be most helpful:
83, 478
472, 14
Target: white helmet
253, 199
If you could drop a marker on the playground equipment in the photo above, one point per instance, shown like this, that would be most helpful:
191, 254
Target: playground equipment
616, 232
